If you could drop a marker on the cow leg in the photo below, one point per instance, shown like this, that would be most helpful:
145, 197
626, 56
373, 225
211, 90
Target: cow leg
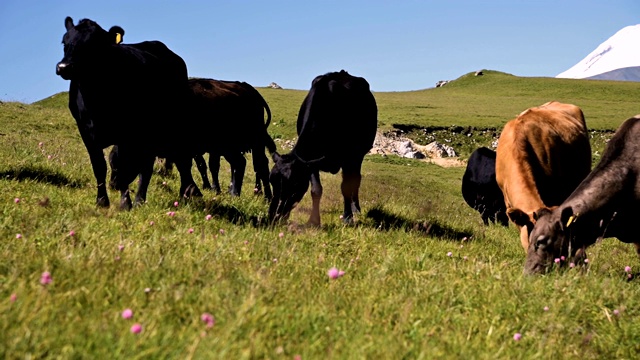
144, 180
99, 165
202, 169
214, 168
316, 195
166, 168
261, 168
188, 187
350, 187
238, 163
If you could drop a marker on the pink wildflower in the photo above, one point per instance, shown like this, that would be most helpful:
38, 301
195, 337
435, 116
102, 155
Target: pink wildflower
136, 328
127, 314
13, 297
208, 319
190, 231
586, 261
16, 200
572, 265
45, 278
120, 247
627, 269
556, 260
333, 273
40, 144
18, 236
616, 312
72, 233
281, 235
546, 308
221, 231
171, 213
517, 336
208, 217
449, 254
151, 223
176, 204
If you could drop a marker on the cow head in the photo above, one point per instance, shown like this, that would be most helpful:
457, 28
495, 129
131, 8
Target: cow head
552, 239
84, 42
289, 179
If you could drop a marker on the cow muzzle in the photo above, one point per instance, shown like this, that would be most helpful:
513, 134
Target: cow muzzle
64, 70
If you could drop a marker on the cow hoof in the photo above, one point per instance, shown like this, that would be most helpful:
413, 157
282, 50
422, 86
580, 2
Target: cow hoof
125, 204
103, 202
191, 191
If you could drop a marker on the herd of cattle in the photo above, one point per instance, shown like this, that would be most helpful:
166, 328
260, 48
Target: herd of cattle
138, 99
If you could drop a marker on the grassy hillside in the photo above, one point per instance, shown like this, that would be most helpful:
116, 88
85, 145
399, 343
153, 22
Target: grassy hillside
423, 277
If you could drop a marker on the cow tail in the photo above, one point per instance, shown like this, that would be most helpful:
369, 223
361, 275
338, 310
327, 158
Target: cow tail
269, 143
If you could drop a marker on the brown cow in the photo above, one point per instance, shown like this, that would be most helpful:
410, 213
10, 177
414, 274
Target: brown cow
542, 156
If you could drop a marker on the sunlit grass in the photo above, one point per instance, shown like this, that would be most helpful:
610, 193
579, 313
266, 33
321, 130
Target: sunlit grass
423, 278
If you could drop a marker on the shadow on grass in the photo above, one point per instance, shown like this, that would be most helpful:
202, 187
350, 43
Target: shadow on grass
229, 212
40, 175
384, 220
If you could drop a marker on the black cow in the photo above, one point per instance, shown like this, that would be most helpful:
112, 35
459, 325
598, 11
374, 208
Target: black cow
233, 112
336, 127
605, 204
480, 189
131, 96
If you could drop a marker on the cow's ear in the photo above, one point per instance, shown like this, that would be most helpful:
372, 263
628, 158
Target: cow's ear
542, 212
519, 217
567, 217
117, 34
68, 23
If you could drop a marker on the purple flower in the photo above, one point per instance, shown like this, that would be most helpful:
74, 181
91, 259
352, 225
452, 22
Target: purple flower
45, 278
627, 269
176, 204
171, 213
151, 223
136, 328
208, 319
221, 231
120, 247
556, 260
517, 336
127, 314
449, 254
190, 231
208, 217
572, 265
18, 236
616, 312
333, 273
72, 233
546, 308
281, 235
13, 297
16, 200
586, 261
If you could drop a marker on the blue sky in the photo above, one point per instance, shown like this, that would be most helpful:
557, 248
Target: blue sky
396, 45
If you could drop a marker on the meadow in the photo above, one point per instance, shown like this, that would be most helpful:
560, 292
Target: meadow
423, 277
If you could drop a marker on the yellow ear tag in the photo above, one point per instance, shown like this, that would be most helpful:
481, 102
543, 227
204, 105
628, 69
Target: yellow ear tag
572, 218
118, 38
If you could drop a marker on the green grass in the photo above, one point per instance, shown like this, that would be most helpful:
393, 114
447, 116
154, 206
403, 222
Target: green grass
402, 296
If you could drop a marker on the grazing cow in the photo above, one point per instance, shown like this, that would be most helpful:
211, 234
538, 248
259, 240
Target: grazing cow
228, 108
128, 95
336, 127
542, 156
605, 204
480, 189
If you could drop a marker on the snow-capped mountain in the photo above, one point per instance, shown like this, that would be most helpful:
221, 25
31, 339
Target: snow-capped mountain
618, 58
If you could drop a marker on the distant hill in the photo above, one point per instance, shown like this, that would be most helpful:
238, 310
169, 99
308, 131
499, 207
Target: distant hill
618, 58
